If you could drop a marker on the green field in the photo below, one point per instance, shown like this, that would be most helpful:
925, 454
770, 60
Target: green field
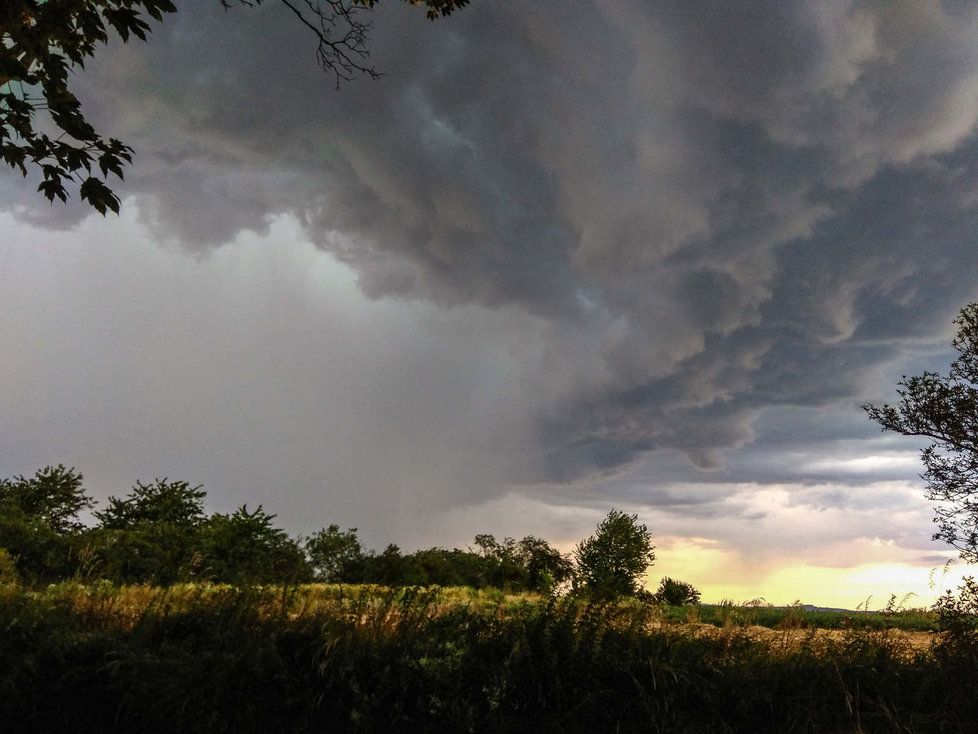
911, 620
209, 658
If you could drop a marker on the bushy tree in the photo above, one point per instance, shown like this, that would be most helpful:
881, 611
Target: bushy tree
612, 561
54, 496
151, 534
40, 553
163, 501
335, 556
676, 593
247, 547
944, 409
8, 569
39, 523
546, 567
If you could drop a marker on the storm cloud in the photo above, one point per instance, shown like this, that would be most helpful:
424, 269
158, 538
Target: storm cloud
689, 233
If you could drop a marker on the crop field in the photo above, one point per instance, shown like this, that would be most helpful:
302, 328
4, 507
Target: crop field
366, 658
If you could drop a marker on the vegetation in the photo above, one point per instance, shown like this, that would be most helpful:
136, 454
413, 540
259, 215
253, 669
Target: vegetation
159, 533
944, 409
612, 561
316, 658
164, 618
42, 43
676, 593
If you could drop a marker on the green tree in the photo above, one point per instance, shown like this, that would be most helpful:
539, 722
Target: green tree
8, 569
944, 409
152, 534
43, 41
247, 547
53, 496
612, 561
676, 593
39, 524
335, 556
546, 567
163, 501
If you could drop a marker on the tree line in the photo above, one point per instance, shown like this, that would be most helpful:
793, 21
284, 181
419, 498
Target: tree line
159, 533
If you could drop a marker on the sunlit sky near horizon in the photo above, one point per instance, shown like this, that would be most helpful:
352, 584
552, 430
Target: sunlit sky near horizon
558, 259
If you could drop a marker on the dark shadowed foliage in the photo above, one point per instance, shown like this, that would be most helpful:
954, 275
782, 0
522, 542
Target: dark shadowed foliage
246, 547
676, 593
43, 43
54, 496
233, 661
944, 409
612, 561
39, 523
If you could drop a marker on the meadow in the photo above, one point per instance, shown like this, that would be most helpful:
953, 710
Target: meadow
318, 657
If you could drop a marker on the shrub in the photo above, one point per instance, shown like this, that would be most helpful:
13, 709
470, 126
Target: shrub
676, 593
8, 570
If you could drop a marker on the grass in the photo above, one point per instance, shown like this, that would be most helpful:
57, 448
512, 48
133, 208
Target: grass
363, 658
910, 620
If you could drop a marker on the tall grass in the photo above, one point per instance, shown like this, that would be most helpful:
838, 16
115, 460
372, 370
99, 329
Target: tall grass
911, 620
303, 659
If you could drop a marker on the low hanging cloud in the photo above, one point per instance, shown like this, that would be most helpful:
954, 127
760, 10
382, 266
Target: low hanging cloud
700, 212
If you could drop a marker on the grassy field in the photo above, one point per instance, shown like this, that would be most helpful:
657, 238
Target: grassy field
911, 620
364, 658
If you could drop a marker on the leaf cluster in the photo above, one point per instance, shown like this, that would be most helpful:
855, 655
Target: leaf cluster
611, 562
43, 41
41, 44
944, 409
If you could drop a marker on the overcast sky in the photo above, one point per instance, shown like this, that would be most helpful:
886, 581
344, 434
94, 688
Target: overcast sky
561, 257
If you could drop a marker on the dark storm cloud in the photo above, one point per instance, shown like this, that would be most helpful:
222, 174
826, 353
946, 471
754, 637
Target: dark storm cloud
706, 209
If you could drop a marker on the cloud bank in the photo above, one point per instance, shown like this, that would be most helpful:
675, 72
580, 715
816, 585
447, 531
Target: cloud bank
694, 236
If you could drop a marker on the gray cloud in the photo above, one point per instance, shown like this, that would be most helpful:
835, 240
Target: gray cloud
688, 215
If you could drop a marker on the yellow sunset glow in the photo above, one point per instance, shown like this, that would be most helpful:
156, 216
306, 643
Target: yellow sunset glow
721, 573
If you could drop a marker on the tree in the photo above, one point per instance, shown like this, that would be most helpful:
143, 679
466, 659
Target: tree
335, 555
163, 501
676, 593
43, 42
611, 562
246, 547
944, 409
151, 534
53, 496
39, 524
546, 567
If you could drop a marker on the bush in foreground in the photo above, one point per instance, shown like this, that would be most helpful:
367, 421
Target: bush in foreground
220, 659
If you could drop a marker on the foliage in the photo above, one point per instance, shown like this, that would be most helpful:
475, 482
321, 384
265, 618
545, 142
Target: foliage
216, 659
53, 496
160, 533
780, 617
958, 613
42, 43
152, 534
247, 547
163, 501
160, 553
40, 554
546, 567
945, 410
333, 554
612, 561
39, 522
676, 593
8, 569
531, 563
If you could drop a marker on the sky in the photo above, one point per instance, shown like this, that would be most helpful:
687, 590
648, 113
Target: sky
559, 258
